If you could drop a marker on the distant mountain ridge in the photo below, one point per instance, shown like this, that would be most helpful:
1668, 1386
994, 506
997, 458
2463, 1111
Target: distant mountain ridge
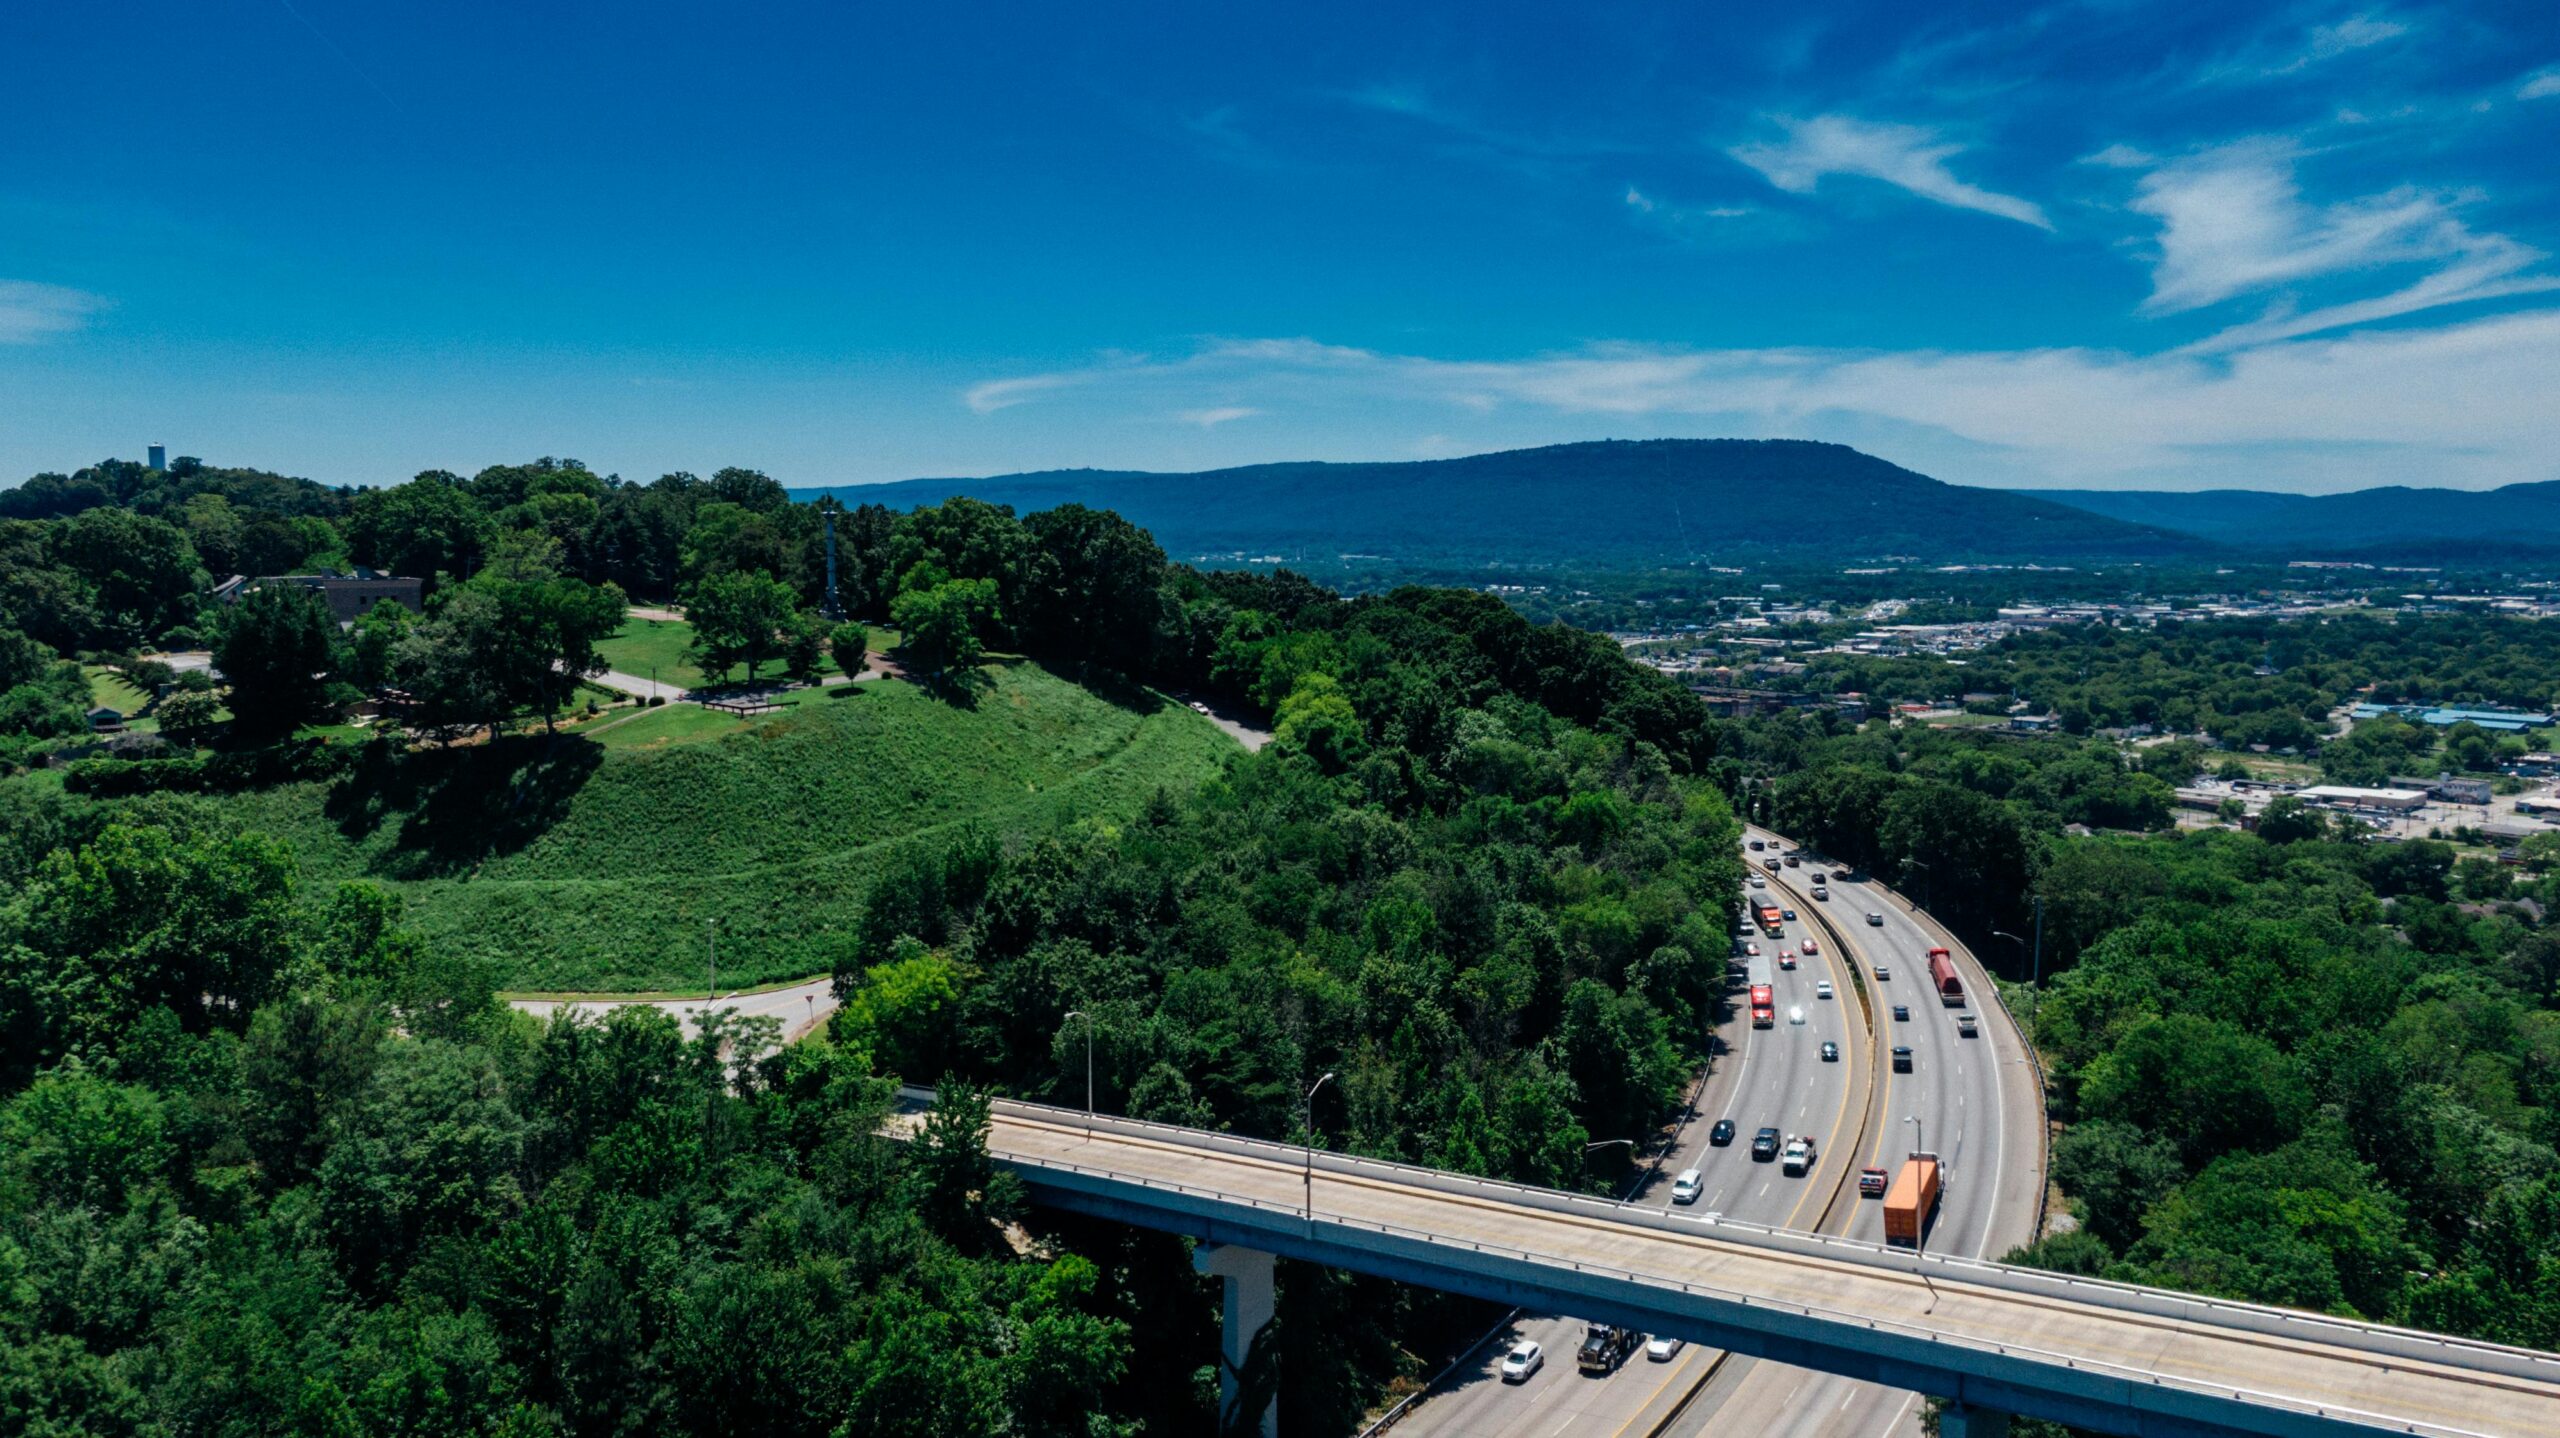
1604, 502
2395, 518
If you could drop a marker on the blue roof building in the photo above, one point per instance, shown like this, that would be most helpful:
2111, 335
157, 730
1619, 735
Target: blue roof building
2504, 721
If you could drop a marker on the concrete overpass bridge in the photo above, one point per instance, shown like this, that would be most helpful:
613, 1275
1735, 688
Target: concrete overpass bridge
1994, 1339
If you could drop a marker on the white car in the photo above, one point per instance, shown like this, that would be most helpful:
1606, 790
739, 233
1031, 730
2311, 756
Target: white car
1750, 949
1759, 883
1661, 1349
1822, 989
1684, 1187
1795, 1014
1525, 1358
1798, 1157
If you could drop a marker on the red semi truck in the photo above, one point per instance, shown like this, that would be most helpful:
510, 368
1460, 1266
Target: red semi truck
1942, 976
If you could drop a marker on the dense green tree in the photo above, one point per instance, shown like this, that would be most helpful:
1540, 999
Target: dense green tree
804, 646
738, 618
943, 627
849, 644
142, 571
433, 528
279, 651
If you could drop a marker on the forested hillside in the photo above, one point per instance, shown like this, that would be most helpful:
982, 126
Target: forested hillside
277, 1163
1599, 505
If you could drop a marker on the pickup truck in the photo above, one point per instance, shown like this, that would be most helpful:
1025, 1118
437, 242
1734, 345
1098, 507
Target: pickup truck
1799, 1156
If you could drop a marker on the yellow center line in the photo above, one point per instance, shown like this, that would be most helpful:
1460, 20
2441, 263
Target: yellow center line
1814, 1187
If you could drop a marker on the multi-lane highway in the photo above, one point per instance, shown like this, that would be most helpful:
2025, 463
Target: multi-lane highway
1976, 1107
1966, 1094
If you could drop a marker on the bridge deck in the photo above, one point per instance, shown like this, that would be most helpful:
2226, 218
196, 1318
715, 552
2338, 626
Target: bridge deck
2324, 1370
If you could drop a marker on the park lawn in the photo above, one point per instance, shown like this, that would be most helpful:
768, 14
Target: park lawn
590, 865
641, 646
111, 689
670, 724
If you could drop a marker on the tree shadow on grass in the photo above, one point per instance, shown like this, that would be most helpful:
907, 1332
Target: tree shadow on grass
461, 807
1108, 685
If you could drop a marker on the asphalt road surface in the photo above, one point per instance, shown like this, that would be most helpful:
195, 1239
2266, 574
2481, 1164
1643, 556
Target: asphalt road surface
1976, 1105
1772, 1077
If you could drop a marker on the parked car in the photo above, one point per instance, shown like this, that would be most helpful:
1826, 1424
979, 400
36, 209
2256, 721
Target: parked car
1764, 1145
1685, 1186
1662, 1348
1822, 989
1830, 1052
1722, 1133
1525, 1358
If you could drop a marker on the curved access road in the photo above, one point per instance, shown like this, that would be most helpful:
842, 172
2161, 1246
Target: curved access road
1773, 1077
1975, 1102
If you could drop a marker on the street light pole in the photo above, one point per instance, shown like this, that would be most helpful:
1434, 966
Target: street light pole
1088, 1069
1626, 1143
1311, 1149
1920, 1221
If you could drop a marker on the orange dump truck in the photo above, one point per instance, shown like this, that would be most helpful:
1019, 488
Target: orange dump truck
1913, 1197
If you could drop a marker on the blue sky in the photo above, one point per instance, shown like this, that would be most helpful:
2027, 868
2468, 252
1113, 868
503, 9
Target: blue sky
2304, 247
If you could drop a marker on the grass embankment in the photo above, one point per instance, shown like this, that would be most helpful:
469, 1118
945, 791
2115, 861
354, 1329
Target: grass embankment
644, 647
110, 688
592, 865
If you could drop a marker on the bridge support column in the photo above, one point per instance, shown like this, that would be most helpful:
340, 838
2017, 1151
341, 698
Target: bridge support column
1250, 1299
1964, 1420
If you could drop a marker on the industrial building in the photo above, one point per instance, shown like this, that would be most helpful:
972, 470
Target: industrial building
2504, 721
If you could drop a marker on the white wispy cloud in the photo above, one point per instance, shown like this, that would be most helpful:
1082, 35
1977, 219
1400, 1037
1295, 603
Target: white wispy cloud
1216, 415
2287, 50
1006, 393
30, 311
2540, 85
2356, 32
2469, 403
2233, 222
1908, 156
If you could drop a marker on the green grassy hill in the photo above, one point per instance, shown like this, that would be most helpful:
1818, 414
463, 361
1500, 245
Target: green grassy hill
585, 865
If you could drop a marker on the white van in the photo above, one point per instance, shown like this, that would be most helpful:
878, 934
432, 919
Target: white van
1685, 1187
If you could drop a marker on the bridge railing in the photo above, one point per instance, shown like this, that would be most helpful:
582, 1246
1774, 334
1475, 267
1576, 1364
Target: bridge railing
1316, 1226
2371, 1338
